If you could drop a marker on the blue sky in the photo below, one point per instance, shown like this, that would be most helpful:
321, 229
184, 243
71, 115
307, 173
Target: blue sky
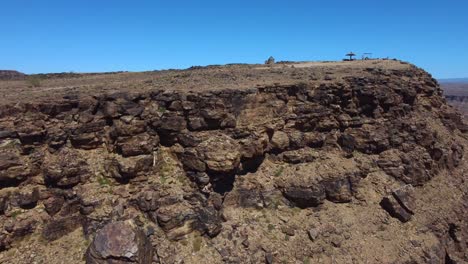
112, 35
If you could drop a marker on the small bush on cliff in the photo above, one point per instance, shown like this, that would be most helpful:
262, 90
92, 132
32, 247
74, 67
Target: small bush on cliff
279, 172
103, 181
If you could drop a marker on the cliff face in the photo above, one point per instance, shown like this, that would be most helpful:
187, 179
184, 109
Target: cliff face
368, 168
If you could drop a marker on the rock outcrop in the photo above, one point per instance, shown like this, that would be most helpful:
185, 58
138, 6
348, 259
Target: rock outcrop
120, 242
233, 175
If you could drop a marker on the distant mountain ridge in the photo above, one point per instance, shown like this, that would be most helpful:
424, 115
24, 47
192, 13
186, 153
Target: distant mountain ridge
453, 80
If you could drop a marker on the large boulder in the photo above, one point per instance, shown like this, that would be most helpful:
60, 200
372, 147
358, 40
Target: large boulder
124, 169
120, 242
280, 140
221, 153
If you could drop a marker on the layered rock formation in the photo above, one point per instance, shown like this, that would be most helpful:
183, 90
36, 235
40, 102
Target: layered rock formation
369, 167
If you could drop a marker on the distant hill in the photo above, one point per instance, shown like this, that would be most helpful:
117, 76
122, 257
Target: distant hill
7, 75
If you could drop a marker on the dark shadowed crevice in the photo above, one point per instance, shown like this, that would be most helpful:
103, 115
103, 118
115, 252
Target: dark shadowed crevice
448, 260
7, 183
222, 182
251, 165
167, 139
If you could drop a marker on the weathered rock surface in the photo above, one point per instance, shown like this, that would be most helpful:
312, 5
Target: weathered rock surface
294, 170
400, 203
120, 242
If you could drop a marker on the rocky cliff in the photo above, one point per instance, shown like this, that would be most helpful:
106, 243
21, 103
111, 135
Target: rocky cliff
346, 163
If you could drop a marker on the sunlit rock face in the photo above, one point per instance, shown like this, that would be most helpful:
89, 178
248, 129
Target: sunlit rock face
304, 170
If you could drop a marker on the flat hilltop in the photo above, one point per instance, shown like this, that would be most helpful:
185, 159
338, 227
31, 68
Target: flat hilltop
43, 87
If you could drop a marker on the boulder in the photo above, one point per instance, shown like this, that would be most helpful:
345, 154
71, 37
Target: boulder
120, 242
148, 201
400, 204
338, 190
191, 160
279, 140
8, 160
53, 204
14, 167
406, 197
32, 133
85, 140
221, 153
21, 227
25, 199
137, 145
123, 127
124, 169
304, 197
172, 123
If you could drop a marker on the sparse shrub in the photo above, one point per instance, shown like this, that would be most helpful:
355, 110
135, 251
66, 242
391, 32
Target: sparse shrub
279, 171
163, 178
271, 227
15, 214
162, 109
34, 82
103, 181
197, 243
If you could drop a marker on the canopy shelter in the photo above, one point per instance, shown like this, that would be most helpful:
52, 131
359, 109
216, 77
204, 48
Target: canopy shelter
351, 55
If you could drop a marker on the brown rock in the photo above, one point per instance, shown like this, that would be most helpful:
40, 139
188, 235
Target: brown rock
54, 204
66, 168
26, 199
280, 140
304, 197
221, 153
137, 145
57, 228
128, 168
406, 197
8, 160
120, 242
191, 160
338, 190
400, 204
121, 128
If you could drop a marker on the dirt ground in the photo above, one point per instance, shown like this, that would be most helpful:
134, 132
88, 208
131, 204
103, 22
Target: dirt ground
237, 76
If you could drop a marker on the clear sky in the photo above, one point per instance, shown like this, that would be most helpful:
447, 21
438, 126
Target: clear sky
111, 35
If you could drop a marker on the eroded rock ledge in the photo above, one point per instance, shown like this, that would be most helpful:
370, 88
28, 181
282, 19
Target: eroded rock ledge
179, 160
